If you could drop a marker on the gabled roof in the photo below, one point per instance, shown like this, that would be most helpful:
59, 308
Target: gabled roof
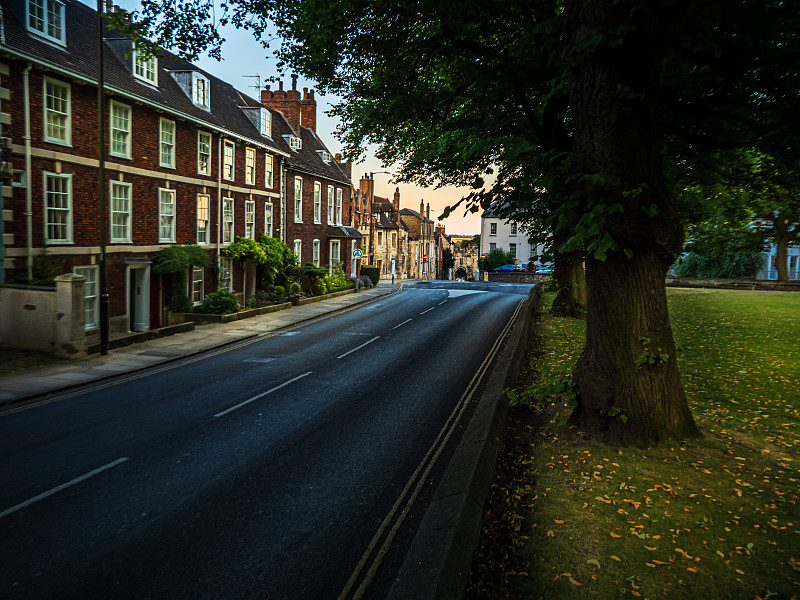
407, 212
78, 60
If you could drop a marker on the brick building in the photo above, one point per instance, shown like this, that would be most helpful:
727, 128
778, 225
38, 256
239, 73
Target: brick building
188, 160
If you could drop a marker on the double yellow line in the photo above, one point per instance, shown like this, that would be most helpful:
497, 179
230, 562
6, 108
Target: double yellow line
404, 503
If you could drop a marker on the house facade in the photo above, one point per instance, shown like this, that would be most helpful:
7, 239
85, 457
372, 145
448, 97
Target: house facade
506, 234
188, 160
770, 268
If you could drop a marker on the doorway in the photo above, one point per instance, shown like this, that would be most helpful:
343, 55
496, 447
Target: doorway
138, 297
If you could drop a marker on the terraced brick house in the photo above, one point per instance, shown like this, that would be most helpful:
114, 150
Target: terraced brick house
188, 160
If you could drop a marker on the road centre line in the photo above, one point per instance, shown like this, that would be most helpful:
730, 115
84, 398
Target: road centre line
403, 323
429, 310
63, 486
377, 337
262, 394
442, 302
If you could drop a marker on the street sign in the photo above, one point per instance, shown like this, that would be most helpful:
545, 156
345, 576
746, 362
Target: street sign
357, 253
483, 257
424, 257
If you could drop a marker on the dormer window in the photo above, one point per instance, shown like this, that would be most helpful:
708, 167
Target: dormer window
145, 68
201, 91
196, 86
295, 143
46, 18
325, 156
261, 118
265, 122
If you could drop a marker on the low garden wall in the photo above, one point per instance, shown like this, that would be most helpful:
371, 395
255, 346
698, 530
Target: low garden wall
735, 284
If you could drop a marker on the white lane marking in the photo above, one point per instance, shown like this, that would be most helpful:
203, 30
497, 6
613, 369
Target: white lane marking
429, 310
403, 323
63, 486
256, 359
262, 394
457, 293
442, 302
377, 337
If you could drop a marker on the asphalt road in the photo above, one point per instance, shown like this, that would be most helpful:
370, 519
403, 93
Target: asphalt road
263, 471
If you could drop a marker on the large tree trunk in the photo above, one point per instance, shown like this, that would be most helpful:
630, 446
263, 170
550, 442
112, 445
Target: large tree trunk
570, 280
617, 161
782, 238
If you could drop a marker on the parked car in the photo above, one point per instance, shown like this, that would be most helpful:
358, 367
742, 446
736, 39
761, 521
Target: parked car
520, 268
505, 269
546, 269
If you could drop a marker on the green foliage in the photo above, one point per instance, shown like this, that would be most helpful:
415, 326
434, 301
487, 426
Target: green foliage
614, 411
295, 288
544, 392
338, 280
742, 265
650, 355
279, 291
374, 273
222, 302
175, 259
44, 270
497, 258
175, 262
272, 257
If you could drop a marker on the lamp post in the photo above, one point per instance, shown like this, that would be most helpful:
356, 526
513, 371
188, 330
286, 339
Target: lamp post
101, 183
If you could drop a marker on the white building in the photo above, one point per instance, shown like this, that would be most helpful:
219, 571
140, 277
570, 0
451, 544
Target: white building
770, 268
506, 234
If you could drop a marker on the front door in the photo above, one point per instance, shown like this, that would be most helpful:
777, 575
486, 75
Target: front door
138, 297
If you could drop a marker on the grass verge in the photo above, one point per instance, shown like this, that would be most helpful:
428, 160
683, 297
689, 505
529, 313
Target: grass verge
717, 517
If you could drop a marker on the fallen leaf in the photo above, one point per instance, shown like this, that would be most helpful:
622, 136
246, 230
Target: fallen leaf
616, 558
573, 582
593, 561
615, 535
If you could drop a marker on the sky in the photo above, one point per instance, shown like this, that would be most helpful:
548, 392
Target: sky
243, 57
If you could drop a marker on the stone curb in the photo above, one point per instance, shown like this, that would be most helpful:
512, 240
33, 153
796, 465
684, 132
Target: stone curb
69, 386
438, 563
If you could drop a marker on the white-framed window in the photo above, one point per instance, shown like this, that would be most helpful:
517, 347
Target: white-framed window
250, 219
338, 206
145, 68
492, 246
298, 249
250, 166
268, 166
46, 18
331, 209
268, 218
335, 256
226, 274
58, 207
57, 112
295, 143
227, 160
227, 220
265, 122
198, 285
513, 228
203, 153
166, 154
203, 217
90, 295
120, 126
317, 202
492, 228
380, 238
512, 249
315, 252
201, 91
166, 215
120, 212
298, 199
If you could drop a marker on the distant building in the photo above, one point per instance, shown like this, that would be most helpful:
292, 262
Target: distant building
506, 234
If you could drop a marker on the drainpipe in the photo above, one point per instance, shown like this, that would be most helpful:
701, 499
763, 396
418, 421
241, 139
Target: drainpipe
26, 92
283, 200
219, 205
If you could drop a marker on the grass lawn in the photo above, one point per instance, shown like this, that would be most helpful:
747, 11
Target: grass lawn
717, 517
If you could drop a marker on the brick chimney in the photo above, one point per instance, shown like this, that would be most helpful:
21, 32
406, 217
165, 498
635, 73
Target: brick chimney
396, 202
422, 208
287, 103
308, 110
428, 211
345, 165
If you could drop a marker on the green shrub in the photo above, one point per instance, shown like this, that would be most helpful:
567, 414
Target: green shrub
279, 291
295, 288
219, 303
374, 273
740, 265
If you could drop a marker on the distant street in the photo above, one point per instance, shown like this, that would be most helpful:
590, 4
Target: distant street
261, 471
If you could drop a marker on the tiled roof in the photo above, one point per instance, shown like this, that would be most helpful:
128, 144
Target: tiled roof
337, 231
412, 213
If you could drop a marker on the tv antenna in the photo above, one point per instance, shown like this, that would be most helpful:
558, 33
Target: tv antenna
257, 85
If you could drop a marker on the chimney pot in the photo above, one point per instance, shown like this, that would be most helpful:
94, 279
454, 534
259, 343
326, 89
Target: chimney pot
294, 81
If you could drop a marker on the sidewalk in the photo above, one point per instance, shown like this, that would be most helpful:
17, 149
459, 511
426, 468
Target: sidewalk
37, 381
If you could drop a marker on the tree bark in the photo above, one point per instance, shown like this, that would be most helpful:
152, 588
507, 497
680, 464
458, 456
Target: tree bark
616, 160
569, 277
782, 239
